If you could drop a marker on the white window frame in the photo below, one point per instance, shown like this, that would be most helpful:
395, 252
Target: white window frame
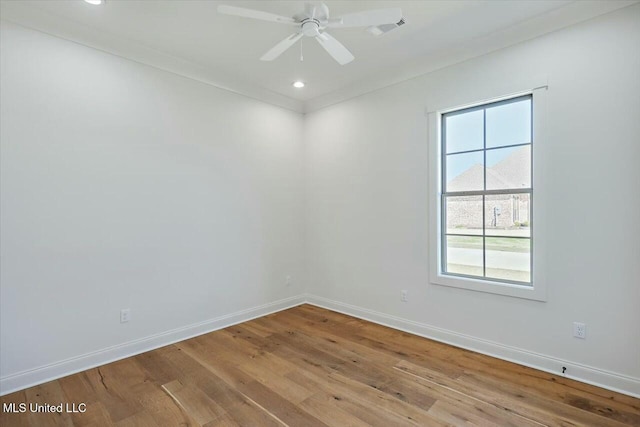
537, 289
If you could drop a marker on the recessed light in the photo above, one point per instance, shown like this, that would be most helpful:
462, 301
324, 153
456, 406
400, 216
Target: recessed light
298, 84
95, 2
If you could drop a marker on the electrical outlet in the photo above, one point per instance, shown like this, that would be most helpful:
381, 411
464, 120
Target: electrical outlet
403, 296
125, 315
287, 280
579, 330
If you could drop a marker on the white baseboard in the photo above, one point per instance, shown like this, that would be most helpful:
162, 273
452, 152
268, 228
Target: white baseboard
42, 374
586, 374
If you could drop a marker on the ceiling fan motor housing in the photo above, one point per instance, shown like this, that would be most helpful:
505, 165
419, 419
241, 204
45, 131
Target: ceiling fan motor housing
311, 27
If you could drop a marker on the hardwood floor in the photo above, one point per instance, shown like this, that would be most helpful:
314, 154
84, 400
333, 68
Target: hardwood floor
312, 367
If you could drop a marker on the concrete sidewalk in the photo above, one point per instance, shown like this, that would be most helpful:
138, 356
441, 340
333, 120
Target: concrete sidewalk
519, 261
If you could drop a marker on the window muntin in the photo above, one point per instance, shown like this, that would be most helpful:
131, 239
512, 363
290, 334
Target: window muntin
486, 192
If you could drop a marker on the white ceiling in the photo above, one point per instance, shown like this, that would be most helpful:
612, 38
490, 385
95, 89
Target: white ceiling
191, 38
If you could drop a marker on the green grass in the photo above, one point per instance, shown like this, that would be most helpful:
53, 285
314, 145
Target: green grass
507, 244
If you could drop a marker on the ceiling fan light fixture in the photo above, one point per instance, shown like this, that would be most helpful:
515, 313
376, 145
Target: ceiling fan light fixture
95, 2
298, 84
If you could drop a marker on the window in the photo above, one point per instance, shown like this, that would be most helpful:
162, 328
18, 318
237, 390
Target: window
483, 173
486, 191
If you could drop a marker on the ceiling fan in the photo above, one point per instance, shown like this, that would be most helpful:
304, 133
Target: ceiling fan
312, 22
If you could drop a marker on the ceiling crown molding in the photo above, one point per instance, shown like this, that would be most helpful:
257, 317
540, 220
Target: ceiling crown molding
538, 26
33, 17
43, 21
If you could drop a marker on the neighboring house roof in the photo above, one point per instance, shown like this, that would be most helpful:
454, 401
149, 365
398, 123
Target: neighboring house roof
514, 171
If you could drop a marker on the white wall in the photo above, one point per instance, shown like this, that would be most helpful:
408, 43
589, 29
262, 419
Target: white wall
128, 187
367, 204
123, 186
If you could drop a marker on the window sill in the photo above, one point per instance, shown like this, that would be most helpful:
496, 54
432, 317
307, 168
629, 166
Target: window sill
488, 286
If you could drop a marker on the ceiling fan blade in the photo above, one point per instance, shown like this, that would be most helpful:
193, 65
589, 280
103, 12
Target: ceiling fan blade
279, 49
254, 14
367, 18
316, 10
310, 10
335, 48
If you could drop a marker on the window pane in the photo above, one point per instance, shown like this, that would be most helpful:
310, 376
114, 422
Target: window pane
464, 214
509, 124
508, 258
465, 172
464, 255
464, 132
507, 215
509, 168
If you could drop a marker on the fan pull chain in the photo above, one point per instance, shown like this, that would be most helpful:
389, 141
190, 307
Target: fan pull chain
301, 57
